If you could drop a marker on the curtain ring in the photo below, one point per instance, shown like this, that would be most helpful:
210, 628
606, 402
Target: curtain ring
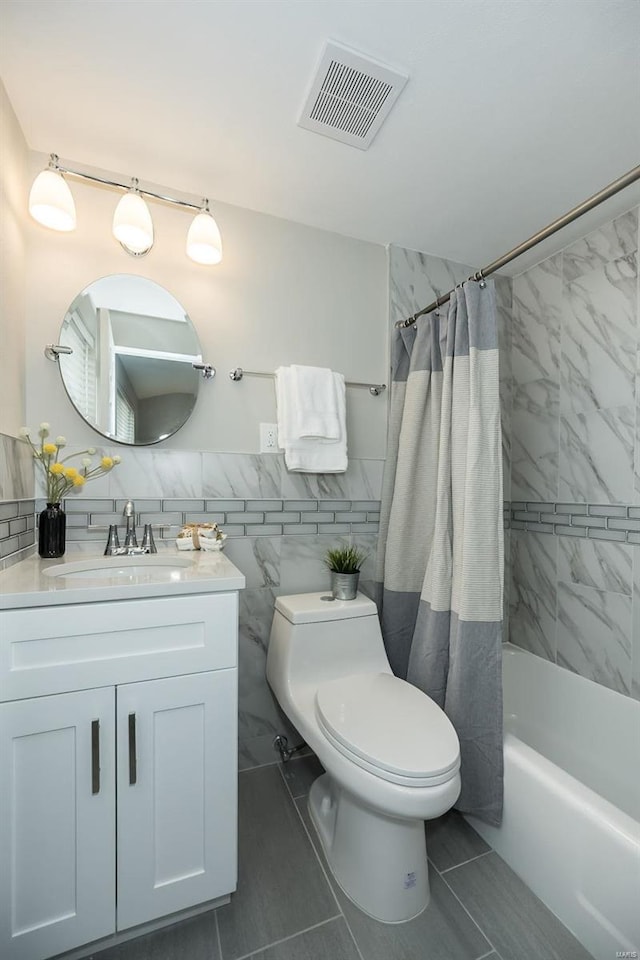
479, 276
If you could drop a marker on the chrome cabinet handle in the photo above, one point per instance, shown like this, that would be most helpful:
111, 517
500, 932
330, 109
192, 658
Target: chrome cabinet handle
95, 756
133, 764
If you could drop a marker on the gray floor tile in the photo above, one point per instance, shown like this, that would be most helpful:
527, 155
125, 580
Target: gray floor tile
331, 941
194, 939
300, 773
281, 888
451, 841
443, 932
517, 923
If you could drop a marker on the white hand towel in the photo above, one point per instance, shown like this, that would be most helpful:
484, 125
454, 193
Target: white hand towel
315, 403
285, 406
303, 454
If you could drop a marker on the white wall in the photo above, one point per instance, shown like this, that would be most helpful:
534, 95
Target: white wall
284, 293
13, 204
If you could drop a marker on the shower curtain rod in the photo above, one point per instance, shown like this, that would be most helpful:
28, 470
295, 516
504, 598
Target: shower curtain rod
609, 191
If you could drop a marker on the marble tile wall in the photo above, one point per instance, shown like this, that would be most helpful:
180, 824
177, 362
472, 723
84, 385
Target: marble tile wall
575, 458
279, 527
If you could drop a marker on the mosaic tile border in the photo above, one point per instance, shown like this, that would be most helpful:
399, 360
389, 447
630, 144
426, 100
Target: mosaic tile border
598, 521
89, 519
17, 526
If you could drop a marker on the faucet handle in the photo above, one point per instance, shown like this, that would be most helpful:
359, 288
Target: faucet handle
113, 543
129, 509
148, 543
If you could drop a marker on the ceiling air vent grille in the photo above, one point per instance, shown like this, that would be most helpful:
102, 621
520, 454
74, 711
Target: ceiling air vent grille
350, 96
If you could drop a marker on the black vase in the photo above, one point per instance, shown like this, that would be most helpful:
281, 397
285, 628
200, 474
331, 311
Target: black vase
51, 531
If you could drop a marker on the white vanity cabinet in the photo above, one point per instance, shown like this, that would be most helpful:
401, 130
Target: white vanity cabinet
118, 766
177, 796
57, 823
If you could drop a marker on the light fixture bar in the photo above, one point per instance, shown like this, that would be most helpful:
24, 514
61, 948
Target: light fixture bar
51, 204
59, 168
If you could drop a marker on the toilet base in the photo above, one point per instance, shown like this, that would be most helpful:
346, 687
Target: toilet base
379, 862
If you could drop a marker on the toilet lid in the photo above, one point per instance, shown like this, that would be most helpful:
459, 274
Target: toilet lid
390, 725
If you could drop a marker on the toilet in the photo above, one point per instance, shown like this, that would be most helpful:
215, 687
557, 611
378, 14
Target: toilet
391, 756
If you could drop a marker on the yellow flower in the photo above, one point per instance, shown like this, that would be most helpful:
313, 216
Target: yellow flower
70, 472
78, 481
49, 449
56, 468
106, 463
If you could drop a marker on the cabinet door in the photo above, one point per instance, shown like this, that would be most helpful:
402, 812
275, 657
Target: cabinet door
177, 793
57, 823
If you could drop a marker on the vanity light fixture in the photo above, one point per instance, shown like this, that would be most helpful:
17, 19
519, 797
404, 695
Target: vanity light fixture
132, 223
204, 243
50, 199
51, 204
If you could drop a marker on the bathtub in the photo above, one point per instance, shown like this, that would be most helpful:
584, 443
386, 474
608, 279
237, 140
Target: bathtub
571, 825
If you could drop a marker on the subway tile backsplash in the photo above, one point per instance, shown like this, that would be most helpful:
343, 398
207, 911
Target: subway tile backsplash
238, 518
617, 523
17, 530
89, 519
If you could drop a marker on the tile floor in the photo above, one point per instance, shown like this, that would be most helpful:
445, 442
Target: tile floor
288, 908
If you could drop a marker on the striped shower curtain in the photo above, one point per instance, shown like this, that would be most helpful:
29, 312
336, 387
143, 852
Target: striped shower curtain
440, 554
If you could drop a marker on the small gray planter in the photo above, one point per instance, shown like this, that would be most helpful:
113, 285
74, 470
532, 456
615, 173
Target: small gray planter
344, 586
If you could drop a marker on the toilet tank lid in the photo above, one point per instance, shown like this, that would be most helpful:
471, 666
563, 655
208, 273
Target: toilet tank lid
321, 607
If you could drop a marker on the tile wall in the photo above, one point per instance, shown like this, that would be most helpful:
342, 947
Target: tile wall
570, 388
569, 333
279, 526
575, 467
17, 504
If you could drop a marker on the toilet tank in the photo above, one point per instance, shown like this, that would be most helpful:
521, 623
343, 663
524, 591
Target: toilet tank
315, 638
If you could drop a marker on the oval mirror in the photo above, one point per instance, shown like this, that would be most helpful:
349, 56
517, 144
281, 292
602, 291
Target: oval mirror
130, 373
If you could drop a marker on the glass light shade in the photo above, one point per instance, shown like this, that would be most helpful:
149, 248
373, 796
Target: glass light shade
204, 243
132, 224
51, 203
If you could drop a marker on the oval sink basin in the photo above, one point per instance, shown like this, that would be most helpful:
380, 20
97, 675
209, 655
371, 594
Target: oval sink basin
150, 567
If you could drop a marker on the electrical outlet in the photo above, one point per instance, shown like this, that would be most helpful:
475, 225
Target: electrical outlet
268, 438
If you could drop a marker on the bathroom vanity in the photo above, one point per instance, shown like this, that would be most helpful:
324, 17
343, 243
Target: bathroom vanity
118, 746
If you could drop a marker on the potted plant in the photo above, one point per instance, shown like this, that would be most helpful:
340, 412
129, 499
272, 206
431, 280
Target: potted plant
344, 564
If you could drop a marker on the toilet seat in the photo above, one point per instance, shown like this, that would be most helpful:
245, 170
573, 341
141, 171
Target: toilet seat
388, 727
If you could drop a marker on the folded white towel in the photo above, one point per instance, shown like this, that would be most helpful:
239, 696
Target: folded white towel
315, 402
305, 454
285, 406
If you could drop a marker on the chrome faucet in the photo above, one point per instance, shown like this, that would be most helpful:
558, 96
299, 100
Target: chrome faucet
130, 539
130, 548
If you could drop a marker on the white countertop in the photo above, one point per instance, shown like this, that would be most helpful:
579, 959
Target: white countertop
26, 585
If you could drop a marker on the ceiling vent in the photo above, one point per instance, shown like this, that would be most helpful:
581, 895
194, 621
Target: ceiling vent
351, 96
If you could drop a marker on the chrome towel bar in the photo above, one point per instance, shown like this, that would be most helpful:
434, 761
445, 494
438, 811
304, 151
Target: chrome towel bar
375, 389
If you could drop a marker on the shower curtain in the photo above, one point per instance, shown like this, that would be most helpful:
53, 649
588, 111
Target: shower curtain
440, 553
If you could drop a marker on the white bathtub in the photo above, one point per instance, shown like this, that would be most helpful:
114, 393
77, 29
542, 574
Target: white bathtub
571, 825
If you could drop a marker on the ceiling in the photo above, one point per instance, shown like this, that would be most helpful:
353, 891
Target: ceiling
514, 111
